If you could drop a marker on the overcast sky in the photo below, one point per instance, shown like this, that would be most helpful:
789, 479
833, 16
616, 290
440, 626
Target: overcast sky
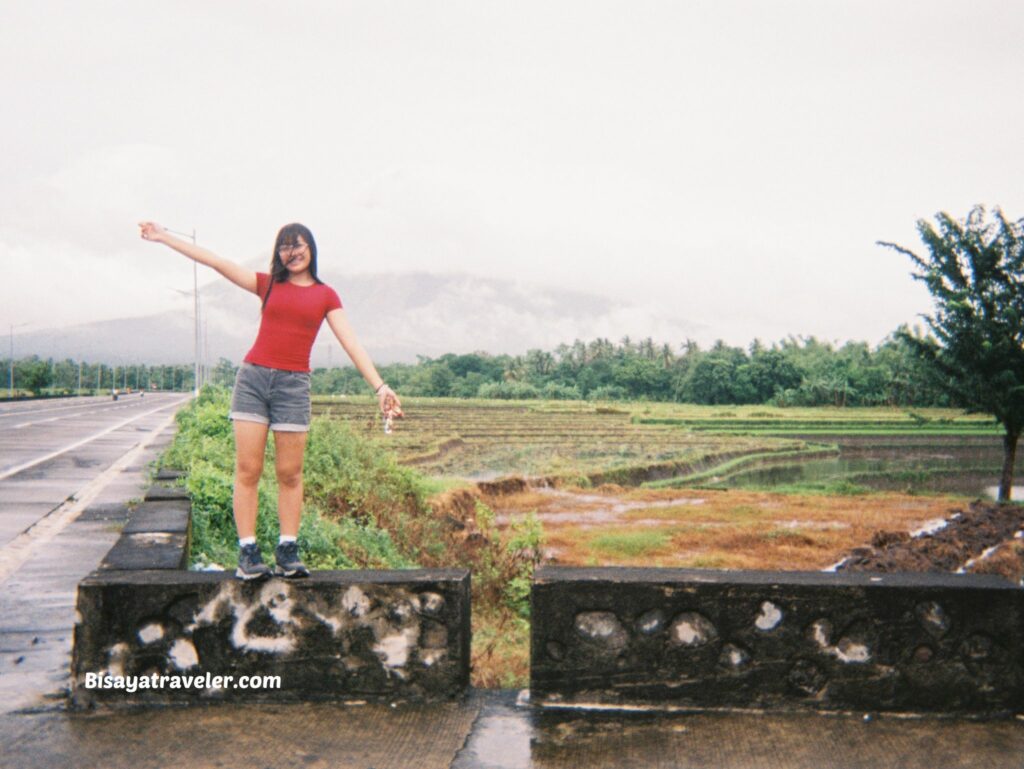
727, 163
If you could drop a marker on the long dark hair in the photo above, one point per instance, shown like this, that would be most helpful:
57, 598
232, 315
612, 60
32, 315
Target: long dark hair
289, 236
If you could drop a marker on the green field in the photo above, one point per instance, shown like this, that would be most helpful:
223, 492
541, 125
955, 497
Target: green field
654, 443
481, 440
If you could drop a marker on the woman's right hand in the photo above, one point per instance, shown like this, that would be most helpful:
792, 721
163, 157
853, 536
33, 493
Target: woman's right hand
390, 406
152, 231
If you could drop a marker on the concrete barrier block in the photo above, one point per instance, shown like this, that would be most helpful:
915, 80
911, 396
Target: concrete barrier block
339, 635
147, 550
694, 638
169, 475
171, 516
158, 493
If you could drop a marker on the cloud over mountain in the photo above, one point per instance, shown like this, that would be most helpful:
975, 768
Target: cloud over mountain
397, 318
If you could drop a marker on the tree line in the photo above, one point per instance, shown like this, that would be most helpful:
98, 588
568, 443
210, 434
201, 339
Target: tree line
802, 371
32, 375
793, 372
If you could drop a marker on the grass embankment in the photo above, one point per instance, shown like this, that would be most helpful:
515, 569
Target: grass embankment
363, 510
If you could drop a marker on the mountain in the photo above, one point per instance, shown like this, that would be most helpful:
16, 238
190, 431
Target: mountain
397, 318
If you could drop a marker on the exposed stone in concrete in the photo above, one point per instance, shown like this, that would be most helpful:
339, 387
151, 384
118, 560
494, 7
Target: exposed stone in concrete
933, 618
651, 622
769, 618
183, 654
691, 629
848, 650
923, 653
603, 628
431, 603
151, 633
821, 633
337, 635
734, 656
806, 677
833, 641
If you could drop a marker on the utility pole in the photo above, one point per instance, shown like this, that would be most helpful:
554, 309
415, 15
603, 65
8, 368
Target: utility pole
195, 297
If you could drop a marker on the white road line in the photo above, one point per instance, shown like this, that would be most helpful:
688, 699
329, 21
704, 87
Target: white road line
23, 412
32, 463
91, 402
19, 549
54, 419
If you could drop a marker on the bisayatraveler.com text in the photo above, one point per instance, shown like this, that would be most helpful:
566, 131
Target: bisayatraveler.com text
199, 681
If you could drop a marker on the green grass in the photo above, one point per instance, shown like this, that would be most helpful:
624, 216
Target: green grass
629, 544
748, 461
841, 487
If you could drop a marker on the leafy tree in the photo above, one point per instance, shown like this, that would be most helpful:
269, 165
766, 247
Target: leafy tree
32, 374
974, 271
224, 373
771, 372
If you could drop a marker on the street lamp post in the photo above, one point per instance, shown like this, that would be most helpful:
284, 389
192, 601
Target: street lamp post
195, 295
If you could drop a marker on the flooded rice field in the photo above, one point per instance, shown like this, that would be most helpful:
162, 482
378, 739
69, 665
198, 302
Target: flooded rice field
961, 465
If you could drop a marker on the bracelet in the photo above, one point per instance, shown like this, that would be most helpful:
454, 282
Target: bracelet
380, 387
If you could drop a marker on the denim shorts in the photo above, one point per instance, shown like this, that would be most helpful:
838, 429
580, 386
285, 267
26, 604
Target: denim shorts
272, 396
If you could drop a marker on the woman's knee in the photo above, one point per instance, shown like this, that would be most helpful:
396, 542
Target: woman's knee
248, 471
289, 476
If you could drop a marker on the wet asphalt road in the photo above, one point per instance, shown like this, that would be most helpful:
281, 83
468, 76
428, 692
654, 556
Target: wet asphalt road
50, 450
68, 468
65, 540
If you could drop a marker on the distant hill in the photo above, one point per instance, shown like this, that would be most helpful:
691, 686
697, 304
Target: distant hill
397, 318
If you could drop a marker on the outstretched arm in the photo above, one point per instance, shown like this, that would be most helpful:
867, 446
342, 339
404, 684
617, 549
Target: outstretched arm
237, 274
389, 403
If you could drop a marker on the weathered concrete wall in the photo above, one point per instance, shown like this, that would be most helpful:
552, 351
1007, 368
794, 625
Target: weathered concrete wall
707, 639
336, 636
340, 635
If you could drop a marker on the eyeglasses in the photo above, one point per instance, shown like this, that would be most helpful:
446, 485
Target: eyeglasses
288, 250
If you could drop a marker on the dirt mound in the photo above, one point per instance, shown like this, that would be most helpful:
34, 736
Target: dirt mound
441, 450
968, 539
503, 486
1007, 561
457, 507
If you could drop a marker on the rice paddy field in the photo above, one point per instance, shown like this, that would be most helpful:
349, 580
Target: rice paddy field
680, 485
662, 444
688, 486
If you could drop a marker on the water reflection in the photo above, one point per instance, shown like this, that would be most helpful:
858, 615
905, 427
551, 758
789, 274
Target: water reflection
968, 465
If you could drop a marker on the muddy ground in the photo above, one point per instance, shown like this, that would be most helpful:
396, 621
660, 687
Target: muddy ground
760, 530
983, 537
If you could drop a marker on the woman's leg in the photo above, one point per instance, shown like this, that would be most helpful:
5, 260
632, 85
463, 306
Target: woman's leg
250, 446
289, 448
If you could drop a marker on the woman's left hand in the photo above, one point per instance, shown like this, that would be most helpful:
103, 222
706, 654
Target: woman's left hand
390, 406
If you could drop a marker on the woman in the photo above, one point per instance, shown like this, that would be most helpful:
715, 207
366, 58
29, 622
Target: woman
272, 387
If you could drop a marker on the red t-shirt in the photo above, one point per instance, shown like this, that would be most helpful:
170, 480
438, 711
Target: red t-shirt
290, 323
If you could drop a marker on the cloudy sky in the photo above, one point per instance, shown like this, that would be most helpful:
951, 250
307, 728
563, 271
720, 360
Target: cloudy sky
730, 164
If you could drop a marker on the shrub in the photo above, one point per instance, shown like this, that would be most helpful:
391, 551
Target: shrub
204, 447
